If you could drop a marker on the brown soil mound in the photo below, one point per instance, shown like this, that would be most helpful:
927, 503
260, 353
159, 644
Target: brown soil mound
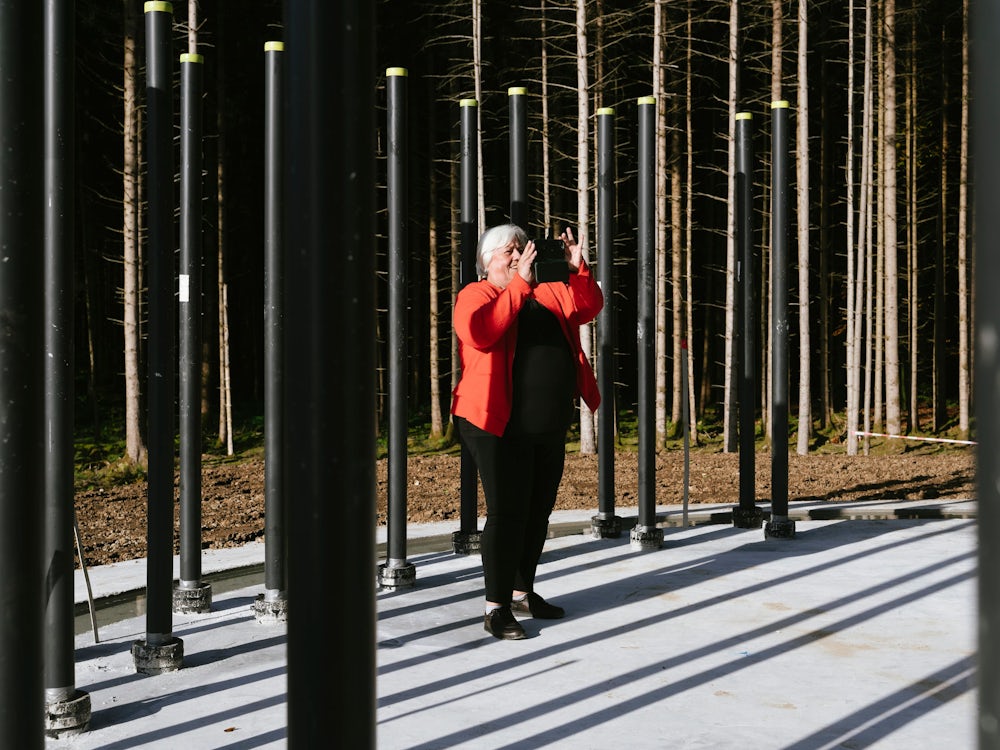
113, 521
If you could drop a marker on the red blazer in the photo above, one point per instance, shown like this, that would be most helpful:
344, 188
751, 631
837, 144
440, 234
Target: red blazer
486, 324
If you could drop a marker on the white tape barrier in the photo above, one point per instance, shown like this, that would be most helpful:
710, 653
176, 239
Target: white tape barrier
860, 433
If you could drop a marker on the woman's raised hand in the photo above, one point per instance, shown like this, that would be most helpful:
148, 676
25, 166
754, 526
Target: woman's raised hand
525, 264
574, 250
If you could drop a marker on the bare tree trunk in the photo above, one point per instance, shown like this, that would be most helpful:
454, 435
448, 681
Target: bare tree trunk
546, 158
135, 447
777, 47
826, 181
865, 222
853, 292
767, 273
659, 91
892, 405
764, 318
802, 193
940, 363
91, 359
689, 210
870, 315
226, 382
729, 436
878, 365
911, 227
454, 231
677, 268
588, 442
192, 27
879, 211
434, 315
477, 72
225, 399
964, 349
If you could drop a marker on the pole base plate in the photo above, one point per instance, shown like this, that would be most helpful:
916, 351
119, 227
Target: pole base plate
643, 538
396, 576
270, 612
748, 518
605, 528
153, 660
782, 529
466, 542
194, 600
68, 718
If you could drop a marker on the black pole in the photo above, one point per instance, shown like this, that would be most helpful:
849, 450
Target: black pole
606, 524
779, 526
192, 594
67, 710
329, 370
272, 605
747, 515
21, 372
646, 534
397, 572
516, 98
986, 114
466, 540
160, 652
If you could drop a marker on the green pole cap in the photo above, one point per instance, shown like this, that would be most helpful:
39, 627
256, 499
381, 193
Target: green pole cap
191, 57
606, 111
468, 103
274, 46
517, 91
647, 100
156, 5
744, 116
782, 104
396, 72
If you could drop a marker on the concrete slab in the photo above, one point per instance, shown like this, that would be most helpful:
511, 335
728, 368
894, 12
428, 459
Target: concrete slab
857, 633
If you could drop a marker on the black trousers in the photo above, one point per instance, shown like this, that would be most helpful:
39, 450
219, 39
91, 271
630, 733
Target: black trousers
520, 477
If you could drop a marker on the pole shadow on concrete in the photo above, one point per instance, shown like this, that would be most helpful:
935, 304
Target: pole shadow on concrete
841, 612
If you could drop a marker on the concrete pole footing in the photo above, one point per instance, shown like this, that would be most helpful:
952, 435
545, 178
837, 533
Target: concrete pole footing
779, 528
66, 718
466, 542
643, 538
270, 611
602, 527
748, 518
153, 660
193, 599
396, 576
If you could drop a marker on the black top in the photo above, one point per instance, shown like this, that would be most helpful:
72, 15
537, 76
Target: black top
544, 374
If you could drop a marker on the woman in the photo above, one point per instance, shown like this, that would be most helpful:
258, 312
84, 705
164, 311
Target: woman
522, 368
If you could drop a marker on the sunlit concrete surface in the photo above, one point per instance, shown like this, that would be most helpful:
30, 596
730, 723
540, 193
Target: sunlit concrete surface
857, 633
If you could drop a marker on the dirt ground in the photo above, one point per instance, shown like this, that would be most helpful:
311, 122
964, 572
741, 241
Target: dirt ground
113, 520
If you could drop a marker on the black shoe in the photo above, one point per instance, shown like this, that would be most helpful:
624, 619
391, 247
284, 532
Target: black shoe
535, 606
500, 623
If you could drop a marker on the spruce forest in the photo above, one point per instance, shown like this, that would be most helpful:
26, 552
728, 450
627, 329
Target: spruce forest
880, 221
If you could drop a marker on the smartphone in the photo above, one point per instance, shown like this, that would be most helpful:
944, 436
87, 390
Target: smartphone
550, 263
